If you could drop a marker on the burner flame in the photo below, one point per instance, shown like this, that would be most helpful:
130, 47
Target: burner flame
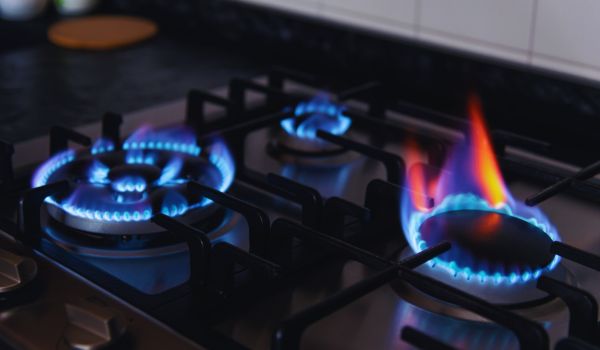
102, 145
174, 204
469, 180
484, 166
173, 139
129, 184
317, 114
171, 171
98, 172
146, 177
471, 168
420, 185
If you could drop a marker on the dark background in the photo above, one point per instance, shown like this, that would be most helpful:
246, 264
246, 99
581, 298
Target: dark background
203, 44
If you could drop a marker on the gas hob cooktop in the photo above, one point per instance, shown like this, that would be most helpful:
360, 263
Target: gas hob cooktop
289, 213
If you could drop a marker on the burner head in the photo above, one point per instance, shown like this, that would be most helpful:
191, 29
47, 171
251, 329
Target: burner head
489, 243
317, 114
116, 192
296, 140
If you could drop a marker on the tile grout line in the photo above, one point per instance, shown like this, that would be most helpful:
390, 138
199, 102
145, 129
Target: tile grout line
418, 4
532, 31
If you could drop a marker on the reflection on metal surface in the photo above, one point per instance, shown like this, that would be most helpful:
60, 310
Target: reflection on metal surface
354, 171
15, 271
329, 182
458, 333
154, 270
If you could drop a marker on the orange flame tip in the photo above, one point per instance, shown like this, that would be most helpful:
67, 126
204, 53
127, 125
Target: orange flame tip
484, 164
417, 181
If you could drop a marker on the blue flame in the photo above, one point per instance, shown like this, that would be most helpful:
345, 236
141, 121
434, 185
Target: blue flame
129, 184
98, 173
90, 202
42, 175
123, 215
170, 171
220, 157
102, 145
173, 140
140, 157
467, 201
129, 198
316, 114
174, 204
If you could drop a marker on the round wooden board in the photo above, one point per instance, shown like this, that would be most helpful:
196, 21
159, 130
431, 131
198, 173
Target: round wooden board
101, 32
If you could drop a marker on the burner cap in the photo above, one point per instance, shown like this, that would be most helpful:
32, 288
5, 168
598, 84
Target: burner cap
317, 114
489, 242
503, 245
315, 153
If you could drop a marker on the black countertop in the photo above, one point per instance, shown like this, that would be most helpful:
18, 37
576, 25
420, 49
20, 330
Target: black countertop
43, 85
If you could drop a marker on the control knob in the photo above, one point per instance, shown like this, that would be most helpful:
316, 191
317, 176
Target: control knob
15, 271
92, 326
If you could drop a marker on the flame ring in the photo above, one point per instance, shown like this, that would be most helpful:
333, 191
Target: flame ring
218, 157
469, 201
318, 113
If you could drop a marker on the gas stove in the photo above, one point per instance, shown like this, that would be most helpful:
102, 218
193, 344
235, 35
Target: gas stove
287, 212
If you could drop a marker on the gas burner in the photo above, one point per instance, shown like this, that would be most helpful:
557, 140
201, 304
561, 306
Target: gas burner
317, 114
296, 140
117, 190
498, 253
298, 134
498, 242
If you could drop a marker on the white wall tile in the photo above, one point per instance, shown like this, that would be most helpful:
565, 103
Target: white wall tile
503, 23
400, 11
569, 31
561, 35
393, 16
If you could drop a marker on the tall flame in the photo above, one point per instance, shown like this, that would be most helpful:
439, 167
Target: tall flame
484, 165
416, 178
470, 168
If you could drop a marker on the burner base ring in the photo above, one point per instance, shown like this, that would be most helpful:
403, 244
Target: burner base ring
124, 246
525, 300
287, 149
